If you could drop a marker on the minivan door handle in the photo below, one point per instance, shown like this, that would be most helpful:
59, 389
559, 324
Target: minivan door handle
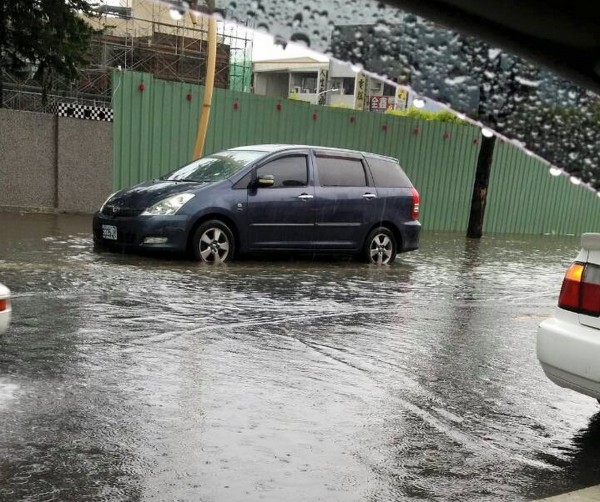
369, 195
306, 196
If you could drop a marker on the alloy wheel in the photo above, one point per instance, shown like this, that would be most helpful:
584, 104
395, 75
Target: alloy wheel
214, 245
381, 249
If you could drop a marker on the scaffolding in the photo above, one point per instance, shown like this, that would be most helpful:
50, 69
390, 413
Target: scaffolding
141, 36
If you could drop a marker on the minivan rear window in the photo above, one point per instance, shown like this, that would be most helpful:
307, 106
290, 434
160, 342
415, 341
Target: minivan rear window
341, 172
388, 174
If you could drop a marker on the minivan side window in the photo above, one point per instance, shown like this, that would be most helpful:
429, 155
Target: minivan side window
388, 174
288, 172
341, 172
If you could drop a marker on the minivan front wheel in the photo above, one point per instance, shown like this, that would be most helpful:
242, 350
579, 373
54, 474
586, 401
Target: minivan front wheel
380, 247
213, 242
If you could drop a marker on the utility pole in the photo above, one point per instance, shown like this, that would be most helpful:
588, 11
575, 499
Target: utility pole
209, 82
480, 187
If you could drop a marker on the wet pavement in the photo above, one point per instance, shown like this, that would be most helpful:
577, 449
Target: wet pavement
138, 378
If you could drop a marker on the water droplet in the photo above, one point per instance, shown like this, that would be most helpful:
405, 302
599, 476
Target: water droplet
300, 38
262, 28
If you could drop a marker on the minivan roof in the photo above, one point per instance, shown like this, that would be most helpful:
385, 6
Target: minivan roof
268, 148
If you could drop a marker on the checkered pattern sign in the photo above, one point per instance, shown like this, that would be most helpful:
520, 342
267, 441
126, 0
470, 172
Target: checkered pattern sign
85, 112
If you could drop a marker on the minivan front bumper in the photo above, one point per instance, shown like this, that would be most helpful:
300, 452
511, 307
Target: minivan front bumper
168, 233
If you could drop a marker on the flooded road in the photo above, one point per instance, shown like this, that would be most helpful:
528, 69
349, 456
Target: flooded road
137, 378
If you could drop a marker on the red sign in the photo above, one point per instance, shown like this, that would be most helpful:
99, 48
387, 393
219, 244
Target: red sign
380, 103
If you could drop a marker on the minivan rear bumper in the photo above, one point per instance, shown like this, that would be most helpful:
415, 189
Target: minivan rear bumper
410, 236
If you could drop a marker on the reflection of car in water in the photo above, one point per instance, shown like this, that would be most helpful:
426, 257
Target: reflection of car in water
568, 344
5, 308
269, 198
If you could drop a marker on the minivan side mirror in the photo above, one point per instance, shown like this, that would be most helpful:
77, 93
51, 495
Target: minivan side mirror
266, 180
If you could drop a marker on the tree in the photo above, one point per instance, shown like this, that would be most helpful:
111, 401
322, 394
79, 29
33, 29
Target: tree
49, 37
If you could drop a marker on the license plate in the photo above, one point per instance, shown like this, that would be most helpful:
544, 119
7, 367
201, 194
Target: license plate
109, 232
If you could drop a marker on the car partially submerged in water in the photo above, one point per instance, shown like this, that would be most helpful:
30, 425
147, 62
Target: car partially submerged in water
269, 198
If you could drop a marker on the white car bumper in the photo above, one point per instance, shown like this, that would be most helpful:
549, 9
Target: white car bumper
570, 353
5, 309
4, 320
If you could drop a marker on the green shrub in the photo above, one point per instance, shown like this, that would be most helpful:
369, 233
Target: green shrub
416, 113
341, 105
294, 97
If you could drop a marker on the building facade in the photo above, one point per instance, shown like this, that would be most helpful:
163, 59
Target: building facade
326, 83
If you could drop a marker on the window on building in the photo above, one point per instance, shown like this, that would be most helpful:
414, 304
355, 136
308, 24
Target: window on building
348, 85
303, 83
389, 90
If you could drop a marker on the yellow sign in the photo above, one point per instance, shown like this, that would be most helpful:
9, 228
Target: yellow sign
360, 91
401, 98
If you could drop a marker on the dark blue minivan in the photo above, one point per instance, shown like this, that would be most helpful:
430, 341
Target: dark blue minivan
269, 198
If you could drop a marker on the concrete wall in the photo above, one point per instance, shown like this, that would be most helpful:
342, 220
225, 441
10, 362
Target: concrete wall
342, 99
278, 85
337, 70
84, 164
27, 159
272, 84
49, 163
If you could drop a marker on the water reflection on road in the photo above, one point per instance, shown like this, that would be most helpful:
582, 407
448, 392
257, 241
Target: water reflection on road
128, 377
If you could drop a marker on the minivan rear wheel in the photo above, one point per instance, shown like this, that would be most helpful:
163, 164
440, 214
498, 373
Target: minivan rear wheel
213, 242
380, 247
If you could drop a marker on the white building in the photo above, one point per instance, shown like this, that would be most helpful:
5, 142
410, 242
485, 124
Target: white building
326, 83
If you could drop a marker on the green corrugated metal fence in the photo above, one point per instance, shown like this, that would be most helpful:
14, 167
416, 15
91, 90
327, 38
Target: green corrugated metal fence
155, 127
523, 198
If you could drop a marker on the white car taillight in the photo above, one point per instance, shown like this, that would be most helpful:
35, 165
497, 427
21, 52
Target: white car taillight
580, 290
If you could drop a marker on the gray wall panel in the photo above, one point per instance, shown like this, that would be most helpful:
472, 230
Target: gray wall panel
51, 163
27, 159
84, 164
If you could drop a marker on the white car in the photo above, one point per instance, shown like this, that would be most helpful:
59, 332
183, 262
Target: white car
5, 309
568, 344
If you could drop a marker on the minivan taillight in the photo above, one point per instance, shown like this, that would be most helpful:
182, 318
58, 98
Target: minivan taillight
415, 210
580, 290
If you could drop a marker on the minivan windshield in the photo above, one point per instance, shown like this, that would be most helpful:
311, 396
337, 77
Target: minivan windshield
215, 167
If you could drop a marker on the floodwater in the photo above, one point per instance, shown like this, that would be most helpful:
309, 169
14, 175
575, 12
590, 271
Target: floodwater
138, 378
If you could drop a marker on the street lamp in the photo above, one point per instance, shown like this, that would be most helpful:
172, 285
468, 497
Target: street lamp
323, 100
328, 90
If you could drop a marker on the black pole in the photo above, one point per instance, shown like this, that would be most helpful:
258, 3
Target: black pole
480, 187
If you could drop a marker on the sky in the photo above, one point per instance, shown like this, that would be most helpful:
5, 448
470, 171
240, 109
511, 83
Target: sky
264, 49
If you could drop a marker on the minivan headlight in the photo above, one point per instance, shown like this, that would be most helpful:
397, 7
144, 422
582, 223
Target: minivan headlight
168, 206
107, 199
